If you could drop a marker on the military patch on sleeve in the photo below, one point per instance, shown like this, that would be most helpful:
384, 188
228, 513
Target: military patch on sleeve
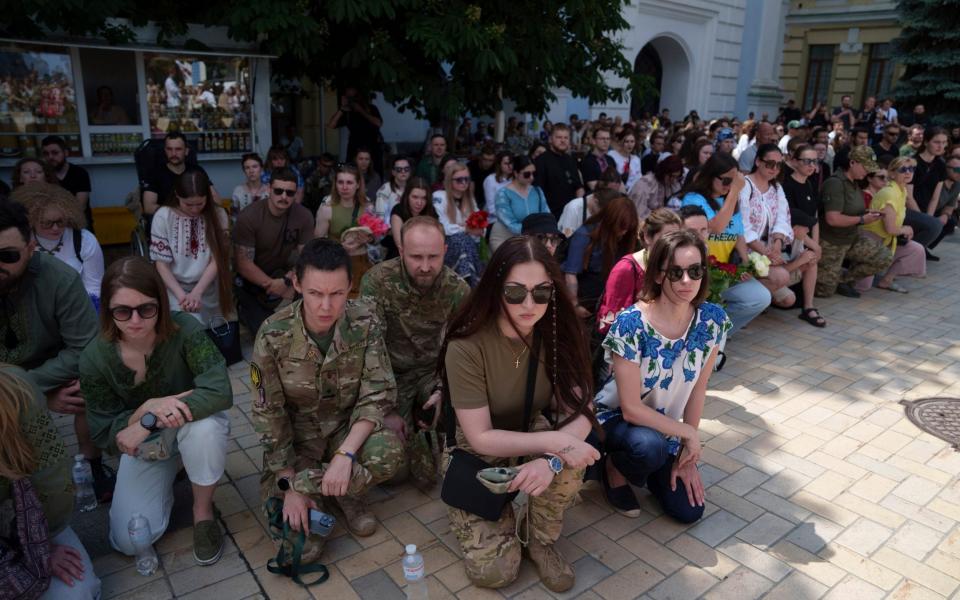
255, 377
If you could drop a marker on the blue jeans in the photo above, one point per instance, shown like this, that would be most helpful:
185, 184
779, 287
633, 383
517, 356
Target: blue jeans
744, 302
640, 454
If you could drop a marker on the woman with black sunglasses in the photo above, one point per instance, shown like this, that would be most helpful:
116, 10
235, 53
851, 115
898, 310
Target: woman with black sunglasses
156, 386
515, 201
662, 350
519, 312
716, 189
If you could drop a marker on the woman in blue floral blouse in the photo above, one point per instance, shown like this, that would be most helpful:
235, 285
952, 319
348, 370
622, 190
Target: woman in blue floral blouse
662, 350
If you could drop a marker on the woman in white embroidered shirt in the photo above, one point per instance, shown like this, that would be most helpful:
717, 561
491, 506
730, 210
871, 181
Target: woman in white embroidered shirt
766, 221
189, 245
663, 350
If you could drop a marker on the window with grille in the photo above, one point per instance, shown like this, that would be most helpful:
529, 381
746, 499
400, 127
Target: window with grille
819, 71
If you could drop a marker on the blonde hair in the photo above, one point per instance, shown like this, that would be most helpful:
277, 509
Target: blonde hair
360, 197
39, 197
449, 171
17, 459
656, 221
901, 161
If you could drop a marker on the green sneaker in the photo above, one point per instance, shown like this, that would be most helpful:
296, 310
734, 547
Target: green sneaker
207, 542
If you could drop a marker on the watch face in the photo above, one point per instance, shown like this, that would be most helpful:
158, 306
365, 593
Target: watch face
148, 421
556, 465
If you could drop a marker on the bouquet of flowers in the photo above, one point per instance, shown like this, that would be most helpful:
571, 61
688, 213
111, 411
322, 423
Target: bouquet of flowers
722, 276
725, 274
374, 223
478, 220
759, 264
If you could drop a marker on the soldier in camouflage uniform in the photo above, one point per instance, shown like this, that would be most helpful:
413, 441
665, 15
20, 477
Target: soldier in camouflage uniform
323, 385
841, 238
416, 294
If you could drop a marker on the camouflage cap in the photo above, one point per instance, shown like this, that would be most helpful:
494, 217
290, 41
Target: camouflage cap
866, 157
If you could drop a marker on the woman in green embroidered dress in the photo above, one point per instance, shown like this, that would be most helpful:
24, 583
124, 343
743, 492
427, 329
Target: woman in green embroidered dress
156, 386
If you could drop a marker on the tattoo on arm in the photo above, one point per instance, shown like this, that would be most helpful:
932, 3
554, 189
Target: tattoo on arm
248, 252
565, 450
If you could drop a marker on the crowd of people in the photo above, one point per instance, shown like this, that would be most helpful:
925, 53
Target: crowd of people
519, 322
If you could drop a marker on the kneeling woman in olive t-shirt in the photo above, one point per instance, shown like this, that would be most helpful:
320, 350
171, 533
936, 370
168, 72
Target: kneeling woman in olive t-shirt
486, 358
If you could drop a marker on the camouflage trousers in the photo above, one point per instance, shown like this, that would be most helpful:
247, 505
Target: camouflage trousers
866, 256
377, 461
491, 550
421, 448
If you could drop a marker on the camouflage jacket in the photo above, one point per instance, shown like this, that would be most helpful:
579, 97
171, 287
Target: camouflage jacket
303, 398
414, 320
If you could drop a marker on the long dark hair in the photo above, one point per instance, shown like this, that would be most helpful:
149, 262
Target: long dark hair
415, 183
618, 215
192, 183
702, 183
567, 358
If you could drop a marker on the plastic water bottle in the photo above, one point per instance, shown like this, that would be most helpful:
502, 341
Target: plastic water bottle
140, 537
413, 573
85, 497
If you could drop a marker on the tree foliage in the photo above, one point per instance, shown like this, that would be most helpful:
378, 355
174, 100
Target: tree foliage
438, 58
929, 47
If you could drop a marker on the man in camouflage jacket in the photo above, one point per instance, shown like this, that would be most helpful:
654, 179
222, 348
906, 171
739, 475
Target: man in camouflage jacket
416, 295
320, 397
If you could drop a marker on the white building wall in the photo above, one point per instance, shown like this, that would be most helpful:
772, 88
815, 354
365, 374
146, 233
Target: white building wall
699, 45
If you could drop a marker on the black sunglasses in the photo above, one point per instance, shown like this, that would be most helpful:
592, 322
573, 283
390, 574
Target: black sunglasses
527, 174
695, 271
549, 238
772, 164
9, 256
725, 180
514, 293
461, 180
401, 169
281, 191
125, 313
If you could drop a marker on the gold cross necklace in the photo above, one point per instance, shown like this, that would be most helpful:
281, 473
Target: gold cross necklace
516, 356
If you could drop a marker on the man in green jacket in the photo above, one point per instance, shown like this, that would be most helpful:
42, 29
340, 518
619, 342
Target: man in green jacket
46, 320
416, 295
322, 385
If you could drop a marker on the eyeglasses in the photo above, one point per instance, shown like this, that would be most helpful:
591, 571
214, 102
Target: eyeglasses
810, 162
9, 257
906, 169
401, 169
548, 238
725, 180
51, 224
514, 293
772, 164
281, 191
461, 180
125, 313
695, 271
893, 134
880, 176
527, 174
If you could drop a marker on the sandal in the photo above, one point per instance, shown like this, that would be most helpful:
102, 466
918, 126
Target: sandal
812, 316
894, 287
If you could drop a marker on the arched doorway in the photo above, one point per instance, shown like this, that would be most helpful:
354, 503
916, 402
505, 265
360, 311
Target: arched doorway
665, 61
648, 64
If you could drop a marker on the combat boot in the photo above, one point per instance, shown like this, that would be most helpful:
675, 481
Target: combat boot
555, 572
358, 519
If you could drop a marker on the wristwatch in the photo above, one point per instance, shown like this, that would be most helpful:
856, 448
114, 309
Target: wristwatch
554, 462
149, 422
283, 483
861, 220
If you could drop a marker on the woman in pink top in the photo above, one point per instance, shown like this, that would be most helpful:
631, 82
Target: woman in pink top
626, 277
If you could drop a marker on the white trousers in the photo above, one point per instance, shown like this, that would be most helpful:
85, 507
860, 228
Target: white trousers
88, 588
146, 487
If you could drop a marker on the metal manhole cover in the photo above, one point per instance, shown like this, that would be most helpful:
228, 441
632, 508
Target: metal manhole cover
937, 416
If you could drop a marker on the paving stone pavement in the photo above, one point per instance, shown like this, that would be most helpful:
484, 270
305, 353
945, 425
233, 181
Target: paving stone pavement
819, 487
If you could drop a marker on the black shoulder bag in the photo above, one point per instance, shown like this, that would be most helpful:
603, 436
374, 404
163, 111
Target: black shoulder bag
461, 489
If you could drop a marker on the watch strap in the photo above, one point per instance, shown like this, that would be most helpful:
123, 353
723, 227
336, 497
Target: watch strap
350, 455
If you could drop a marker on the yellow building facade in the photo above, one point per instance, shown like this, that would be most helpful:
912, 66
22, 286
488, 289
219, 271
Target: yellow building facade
837, 47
